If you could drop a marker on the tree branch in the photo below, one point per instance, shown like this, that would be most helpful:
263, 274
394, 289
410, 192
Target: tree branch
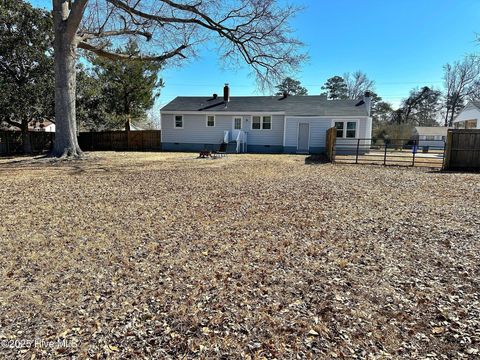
75, 16
114, 56
85, 35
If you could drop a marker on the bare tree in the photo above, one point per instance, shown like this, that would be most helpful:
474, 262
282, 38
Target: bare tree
461, 81
357, 84
255, 32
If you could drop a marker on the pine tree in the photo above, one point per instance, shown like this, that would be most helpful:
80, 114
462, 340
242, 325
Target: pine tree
129, 87
336, 88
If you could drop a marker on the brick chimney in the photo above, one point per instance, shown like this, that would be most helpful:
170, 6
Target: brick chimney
367, 99
226, 93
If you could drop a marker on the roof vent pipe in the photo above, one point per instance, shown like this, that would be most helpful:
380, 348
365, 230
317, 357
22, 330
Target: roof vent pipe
226, 93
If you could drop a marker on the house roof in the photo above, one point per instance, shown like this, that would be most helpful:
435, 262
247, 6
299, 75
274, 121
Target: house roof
291, 105
476, 103
432, 130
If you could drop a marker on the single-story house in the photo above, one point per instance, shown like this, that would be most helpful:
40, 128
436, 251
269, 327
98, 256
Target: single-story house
263, 124
431, 136
469, 117
41, 125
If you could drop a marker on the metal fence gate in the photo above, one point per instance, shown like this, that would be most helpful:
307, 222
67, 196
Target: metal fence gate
397, 152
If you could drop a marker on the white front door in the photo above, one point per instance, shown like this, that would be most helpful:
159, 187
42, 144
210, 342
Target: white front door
236, 126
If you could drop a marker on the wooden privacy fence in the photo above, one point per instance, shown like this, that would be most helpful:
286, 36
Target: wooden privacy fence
11, 142
143, 140
463, 149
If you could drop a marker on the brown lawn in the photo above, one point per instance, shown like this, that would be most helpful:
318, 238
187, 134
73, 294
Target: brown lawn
150, 255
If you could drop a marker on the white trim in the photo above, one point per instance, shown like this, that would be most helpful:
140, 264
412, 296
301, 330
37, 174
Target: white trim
239, 113
327, 117
161, 132
284, 130
214, 120
250, 113
345, 121
298, 130
175, 122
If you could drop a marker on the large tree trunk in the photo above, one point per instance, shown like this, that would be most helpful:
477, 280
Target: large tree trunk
66, 142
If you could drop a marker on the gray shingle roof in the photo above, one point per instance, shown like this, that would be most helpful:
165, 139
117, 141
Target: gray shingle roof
432, 130
476, 103
292, 105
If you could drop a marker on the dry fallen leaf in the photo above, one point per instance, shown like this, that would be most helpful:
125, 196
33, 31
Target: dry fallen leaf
161, 255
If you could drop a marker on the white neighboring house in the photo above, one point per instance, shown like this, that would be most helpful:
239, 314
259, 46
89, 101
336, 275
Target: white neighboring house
431, 136
45, 126
469, 117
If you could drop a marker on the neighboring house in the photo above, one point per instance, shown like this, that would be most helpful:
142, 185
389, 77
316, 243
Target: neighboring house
42, 125
431, 136
469, 117
263, 124
134, 127
34, 125
129, 126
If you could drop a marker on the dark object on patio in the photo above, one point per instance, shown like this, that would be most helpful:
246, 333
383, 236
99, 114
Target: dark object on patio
205, 154
316, 159
222, 150
425, 149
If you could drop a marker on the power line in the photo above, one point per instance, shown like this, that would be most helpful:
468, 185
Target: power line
310, 85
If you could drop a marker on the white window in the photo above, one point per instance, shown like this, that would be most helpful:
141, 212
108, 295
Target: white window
430, 137
267, 123
210, 120
261, 122
346, 129
351, 129
178, 121
256, 122
237, 123
339, 127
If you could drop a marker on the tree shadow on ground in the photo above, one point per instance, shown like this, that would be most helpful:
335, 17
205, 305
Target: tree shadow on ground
316, 160
456, 171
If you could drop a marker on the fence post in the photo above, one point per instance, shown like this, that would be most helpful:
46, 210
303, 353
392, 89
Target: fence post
385, 154
358, 148
334, 145
414, 152
448, 150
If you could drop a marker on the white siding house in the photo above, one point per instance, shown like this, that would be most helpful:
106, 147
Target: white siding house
263, 124
430, 136
469, 117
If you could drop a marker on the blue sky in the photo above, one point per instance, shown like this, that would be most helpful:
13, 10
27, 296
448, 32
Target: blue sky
399, 44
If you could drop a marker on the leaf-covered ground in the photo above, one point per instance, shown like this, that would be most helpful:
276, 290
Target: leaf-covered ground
163, 256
